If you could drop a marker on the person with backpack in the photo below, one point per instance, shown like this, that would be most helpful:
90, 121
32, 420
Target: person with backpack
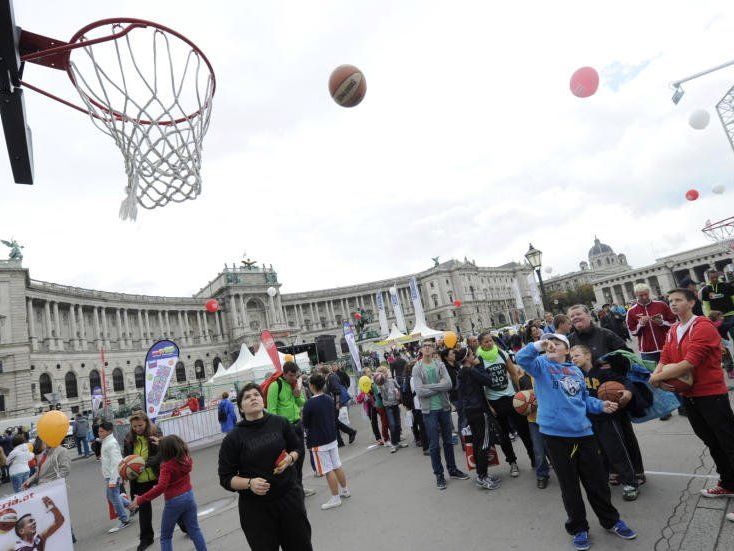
285, 397
226, 414
499, 394
174, 483
390, 393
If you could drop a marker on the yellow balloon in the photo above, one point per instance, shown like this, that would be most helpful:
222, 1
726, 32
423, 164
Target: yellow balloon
450, 339
30, 447
365, 384
52, 427
290, 358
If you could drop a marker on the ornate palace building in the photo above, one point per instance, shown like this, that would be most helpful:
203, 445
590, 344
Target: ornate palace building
59, 339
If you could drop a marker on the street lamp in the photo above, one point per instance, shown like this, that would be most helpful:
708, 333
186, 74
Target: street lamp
535, 259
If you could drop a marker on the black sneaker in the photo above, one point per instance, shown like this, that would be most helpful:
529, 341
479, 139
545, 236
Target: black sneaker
542, 483
459, 475
353, 437
666, 416
682, 412
143, 545
440, 482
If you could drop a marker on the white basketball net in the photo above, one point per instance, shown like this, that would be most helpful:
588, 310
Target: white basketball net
122, 84
721, 232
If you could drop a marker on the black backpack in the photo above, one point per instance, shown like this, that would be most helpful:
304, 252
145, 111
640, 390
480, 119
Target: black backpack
222, 412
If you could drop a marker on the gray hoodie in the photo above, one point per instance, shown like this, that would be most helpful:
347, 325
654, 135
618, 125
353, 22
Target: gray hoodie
389, 392
425, 390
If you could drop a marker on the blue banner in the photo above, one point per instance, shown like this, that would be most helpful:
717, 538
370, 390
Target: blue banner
352, 344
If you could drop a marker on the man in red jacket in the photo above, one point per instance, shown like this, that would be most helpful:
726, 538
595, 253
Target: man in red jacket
649, 320
693, 345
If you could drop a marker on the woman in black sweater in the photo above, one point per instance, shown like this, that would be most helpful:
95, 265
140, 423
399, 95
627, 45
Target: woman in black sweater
272, 510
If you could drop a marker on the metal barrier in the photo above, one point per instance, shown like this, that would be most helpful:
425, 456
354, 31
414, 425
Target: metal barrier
192, 427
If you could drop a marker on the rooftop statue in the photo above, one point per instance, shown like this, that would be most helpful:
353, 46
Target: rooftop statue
15, 248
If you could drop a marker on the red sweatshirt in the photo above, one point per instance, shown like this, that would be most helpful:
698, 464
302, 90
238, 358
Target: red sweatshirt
650, 337
701, 346
173, 481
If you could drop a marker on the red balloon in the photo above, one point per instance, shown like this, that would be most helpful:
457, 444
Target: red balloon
692, 194
584, 82
457, 303
211, 305
358, 316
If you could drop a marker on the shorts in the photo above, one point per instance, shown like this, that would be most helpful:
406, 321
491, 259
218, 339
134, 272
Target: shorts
326, 460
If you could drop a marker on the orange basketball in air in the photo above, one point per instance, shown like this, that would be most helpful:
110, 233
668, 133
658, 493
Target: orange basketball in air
347, 85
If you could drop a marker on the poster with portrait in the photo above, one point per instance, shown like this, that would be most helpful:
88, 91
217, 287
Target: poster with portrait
36, 519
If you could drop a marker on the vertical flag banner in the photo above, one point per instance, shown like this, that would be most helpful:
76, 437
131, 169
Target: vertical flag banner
267, 340
518, 297
382, 314
40, 515
534, 289
352, 344
397, 308
415, 297
160, 363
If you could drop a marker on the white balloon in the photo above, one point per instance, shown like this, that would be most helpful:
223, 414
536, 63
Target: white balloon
718, 189
548, 270
699, 119
272, 291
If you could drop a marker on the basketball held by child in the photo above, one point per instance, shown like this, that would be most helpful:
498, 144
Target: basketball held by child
131, 467
680, 384
347, 85
524, 402
8, 518
611, 391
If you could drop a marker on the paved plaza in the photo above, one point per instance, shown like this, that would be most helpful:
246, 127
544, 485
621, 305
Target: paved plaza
395, 502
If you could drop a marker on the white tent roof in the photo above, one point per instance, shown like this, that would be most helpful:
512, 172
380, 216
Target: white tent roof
395, 333
239, 364
424, 331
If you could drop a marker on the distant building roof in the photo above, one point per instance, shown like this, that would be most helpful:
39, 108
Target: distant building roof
599, 248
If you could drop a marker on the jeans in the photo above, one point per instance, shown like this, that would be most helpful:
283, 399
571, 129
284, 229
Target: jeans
540, 449
18, 479
393, 420
119, 503
82, 441
438, 425
181, 507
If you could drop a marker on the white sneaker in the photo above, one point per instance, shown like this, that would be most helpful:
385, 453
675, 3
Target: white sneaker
308, 492
730, 517
403, 445
335, 501
118, 527
344, 492
393, 449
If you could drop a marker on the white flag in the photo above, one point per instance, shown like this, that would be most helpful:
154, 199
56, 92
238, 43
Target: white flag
352, 344
518, 297
397, 309
415, 297
534, 289
382, 314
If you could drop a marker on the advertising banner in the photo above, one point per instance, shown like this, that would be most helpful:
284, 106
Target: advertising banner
352, 344
267, 340
397, 308
534, 292
518, 297
382, 314
160, 363
37, 518
415, 297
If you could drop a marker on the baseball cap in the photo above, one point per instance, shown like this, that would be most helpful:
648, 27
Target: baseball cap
556, 336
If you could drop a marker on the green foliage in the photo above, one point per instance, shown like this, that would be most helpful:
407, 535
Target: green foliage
583, 294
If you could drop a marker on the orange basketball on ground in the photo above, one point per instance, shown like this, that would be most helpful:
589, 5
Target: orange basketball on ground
524, 402
611, 391
131, 467
347, 85
8, 518
680, 384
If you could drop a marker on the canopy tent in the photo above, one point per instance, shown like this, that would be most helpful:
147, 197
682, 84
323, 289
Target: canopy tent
239, 364
425, 332
394, 337
260, 366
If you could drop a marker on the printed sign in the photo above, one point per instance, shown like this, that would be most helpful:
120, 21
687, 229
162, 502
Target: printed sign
160, 363
352, 344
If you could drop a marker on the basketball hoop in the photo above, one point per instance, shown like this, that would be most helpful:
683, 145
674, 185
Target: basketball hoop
721, 232
147, 87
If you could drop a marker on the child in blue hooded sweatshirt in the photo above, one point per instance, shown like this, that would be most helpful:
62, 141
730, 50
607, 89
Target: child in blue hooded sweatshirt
563, 404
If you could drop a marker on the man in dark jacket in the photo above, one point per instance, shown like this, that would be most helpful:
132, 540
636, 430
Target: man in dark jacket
597, 339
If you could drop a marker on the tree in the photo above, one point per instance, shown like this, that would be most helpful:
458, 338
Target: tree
583, 294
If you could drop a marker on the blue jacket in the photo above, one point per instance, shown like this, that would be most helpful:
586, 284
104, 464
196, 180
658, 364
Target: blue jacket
563, 400
231, 421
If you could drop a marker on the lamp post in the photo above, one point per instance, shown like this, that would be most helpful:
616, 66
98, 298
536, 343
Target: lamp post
535, 259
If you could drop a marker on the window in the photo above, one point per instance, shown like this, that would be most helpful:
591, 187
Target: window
94, 381
72, 390
44, 382
180, 372
118, 381
139, 376
434, 298
431, 284
216, 362
199, 369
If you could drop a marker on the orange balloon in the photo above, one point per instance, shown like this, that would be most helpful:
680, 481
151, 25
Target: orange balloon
450, 339
53, 427
290, 358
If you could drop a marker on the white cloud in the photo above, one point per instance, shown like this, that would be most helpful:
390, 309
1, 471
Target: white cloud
468, 143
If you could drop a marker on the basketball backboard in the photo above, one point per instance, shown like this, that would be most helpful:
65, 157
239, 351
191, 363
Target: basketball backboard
12, 106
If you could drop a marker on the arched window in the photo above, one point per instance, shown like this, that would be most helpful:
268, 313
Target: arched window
216, 362
180, 372
139, 377
199, 369
72, 391
118, 381
44, 383
94, 381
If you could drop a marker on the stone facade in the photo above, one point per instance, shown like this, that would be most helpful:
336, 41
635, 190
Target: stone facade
52, 336
602, 262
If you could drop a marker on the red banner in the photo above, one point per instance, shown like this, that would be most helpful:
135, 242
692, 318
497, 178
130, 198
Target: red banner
267, 341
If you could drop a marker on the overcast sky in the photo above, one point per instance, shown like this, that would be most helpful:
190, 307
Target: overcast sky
468, 143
